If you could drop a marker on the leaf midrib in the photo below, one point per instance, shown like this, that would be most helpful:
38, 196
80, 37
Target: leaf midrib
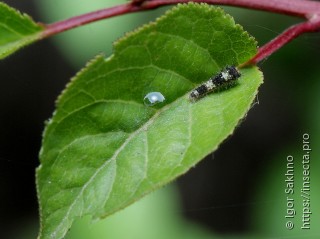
119, 150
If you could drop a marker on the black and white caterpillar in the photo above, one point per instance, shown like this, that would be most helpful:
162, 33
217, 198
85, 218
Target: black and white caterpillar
224, 78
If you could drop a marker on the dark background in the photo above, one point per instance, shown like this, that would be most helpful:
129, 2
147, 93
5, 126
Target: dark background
217, 192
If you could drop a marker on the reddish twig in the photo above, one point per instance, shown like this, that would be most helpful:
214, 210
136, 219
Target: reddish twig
291, 33
309, 10
74, 22
300, 8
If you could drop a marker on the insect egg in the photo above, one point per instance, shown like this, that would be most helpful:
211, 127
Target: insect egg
153, 98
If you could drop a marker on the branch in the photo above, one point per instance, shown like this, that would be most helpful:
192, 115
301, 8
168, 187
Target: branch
291, 33
309, 10
58, 27
300, 8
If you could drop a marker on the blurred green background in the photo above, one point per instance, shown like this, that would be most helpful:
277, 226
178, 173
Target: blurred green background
236, 193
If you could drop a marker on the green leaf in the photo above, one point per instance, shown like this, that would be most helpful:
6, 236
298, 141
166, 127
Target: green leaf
16, 30
104, 149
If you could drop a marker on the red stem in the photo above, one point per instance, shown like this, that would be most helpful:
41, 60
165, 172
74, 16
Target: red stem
309, 10
300, 8
288, 35
73, 22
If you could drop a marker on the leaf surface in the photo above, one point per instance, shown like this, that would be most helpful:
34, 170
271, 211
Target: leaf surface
16, 30
104, 148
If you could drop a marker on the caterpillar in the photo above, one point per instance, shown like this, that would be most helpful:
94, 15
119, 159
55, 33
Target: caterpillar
224, 78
